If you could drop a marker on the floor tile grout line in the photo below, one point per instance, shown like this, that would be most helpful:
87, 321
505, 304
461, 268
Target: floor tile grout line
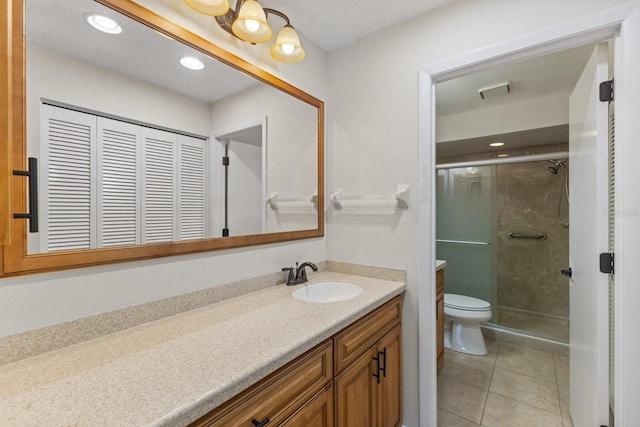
528, 404
459, 416
486, 398
562, 414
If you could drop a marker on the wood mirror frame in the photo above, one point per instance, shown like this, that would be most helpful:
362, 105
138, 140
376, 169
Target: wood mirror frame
13, 189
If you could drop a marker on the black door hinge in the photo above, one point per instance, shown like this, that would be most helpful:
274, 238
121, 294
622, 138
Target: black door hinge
225, 161
606, 263
225, 232
606, 91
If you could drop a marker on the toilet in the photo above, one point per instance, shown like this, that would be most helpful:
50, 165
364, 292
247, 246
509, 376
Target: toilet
462, 318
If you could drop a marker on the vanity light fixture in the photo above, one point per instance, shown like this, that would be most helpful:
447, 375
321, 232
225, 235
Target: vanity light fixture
496, 144
192, 63
103, 23
248, 22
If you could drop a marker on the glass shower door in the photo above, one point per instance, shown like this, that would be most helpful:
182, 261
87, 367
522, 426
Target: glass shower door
466, 230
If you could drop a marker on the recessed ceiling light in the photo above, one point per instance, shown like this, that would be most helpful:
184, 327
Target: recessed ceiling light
496, 144
192, 63
103, 23
503, 155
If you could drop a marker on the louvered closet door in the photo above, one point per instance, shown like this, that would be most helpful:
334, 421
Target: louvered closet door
192, 200
118, 183
159, 184
68, 161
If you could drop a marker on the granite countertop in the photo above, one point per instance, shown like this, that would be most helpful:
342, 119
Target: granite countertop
174, 370
440, 264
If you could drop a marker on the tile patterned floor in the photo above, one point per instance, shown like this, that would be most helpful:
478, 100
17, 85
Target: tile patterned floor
512, 386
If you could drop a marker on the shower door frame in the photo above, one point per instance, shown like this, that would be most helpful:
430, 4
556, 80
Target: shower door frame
622, 23
526, 158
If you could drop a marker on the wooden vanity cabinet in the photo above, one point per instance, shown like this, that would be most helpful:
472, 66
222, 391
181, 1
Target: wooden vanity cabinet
368, 382
353, 379
440, 318
293, 395
316, 413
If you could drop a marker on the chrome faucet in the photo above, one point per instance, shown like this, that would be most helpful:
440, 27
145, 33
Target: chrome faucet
300, 274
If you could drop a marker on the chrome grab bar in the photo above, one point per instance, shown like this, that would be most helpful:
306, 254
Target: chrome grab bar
462, 242
540, 236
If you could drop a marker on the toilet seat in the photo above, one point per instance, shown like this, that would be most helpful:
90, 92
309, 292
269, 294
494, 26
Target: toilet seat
463, 302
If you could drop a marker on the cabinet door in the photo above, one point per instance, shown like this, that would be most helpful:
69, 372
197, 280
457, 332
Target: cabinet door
390, 388
317, 413
440, 331
440, 318
356, 392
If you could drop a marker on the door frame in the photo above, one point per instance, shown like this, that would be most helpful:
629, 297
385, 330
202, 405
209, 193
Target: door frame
218, 139
595, 27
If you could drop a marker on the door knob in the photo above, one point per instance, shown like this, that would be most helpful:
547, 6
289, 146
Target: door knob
568, 272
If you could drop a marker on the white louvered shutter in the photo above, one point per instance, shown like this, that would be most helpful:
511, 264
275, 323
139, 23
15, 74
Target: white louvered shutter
159, 182
191, 188
68, 162
118, 183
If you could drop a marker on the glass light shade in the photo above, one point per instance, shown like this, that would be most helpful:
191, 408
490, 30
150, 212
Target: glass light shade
244, 27
287, 47
209, 7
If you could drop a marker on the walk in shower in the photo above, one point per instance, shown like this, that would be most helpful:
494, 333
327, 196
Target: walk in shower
502, 226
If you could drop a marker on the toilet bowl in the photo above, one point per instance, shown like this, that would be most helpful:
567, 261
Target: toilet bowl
462, 318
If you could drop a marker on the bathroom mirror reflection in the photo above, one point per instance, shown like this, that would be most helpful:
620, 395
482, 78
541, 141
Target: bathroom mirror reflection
130, 141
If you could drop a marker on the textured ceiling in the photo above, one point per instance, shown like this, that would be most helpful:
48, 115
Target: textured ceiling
59, 25
139, 52
545, 75
512, 141
331, 24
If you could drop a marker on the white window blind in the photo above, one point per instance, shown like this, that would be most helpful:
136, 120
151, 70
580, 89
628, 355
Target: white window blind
191, 188
68, 160
118, 183
111, 183
159, 186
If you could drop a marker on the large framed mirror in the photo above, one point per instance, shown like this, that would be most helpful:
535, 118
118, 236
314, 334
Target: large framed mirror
137, 155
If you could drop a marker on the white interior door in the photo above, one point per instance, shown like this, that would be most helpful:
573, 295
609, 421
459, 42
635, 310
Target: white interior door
588, 137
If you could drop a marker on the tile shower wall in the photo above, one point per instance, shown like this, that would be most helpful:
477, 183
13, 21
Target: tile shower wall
529, 277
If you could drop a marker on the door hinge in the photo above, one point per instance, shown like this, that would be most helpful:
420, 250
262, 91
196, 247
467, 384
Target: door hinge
606, 91
225, 160
607, 263
225, 232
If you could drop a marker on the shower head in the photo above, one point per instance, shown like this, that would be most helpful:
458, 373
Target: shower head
557, 164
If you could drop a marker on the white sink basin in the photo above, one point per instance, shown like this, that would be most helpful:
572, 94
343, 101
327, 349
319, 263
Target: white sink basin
327, 292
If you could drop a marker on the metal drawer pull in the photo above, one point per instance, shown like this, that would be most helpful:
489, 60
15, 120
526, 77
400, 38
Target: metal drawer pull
377, 374
260, 423
32, 175
383, 353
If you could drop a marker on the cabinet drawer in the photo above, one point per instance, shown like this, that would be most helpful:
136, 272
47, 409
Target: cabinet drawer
279, 395
316, 413
355, 339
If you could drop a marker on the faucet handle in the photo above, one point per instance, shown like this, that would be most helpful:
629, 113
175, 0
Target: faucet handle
290, 277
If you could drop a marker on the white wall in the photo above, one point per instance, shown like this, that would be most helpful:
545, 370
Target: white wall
58, 77
540, 112
373, 126
39, 300
246, 201
292, 160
